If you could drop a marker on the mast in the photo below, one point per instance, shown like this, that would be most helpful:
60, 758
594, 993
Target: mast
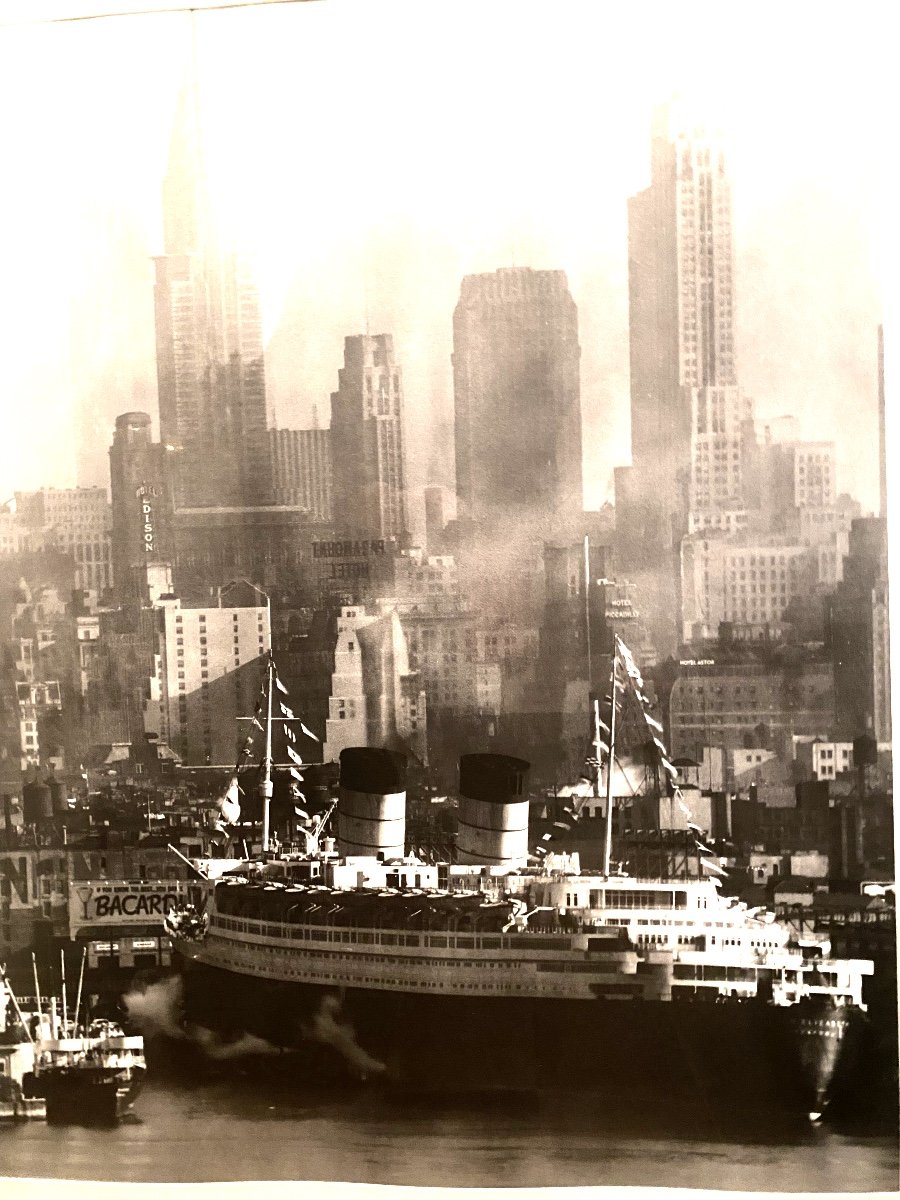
65, 1006
607, 845
37, 986
587, 608
80, 982
15, 1003
265, 783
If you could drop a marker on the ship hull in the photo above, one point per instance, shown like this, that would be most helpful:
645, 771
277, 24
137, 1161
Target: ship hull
78, 1096
744, 1054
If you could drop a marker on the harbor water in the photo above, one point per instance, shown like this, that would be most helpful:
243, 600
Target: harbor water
231, 1128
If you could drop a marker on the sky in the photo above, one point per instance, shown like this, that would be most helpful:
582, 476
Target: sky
368, 155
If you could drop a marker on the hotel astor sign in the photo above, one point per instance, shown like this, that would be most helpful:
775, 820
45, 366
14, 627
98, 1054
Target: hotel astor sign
121, 902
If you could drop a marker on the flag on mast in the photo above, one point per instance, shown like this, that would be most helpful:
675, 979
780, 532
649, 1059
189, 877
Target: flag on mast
230, 804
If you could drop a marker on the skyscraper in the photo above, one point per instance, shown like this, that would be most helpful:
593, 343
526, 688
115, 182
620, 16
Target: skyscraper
688, 417
859, 635
212, 392
882, 435
517, 401
369, 478
681, 287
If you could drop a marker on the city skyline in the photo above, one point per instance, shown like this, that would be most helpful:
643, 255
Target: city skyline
391, 258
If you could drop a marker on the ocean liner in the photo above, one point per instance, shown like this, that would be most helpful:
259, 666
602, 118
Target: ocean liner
508, 968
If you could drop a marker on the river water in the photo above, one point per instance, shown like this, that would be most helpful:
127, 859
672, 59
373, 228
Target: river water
233, 1129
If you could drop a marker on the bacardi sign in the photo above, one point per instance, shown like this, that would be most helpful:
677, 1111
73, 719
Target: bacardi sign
121, 902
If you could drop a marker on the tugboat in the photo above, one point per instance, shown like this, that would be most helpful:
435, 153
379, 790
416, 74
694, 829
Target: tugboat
92, 1079
55, 1069
510, 968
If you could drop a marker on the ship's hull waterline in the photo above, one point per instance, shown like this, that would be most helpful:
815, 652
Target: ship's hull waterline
748, 1054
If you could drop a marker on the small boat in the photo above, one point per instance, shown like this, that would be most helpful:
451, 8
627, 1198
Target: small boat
89, 1079
54, 1069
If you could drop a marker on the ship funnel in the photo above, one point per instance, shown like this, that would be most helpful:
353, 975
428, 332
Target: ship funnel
492, 825
371, 812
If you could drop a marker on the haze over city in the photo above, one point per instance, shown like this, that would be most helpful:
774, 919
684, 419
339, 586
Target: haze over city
446, 668
368, 164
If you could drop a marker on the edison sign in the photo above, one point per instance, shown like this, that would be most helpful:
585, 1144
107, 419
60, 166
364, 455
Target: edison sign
144, 494
122, 902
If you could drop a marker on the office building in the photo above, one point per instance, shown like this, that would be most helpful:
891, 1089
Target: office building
367, 442
376, 699
721, 424
859, 636
681, 334
517, 402
271, 545
794, 475
209, 350
73, 521
749, 704
882, 432
300, 462
739, 581
207, 673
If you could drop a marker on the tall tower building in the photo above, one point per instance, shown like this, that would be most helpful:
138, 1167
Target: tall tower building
517, 401
681, 285
212, 392
369, 479
882, 434
688, 418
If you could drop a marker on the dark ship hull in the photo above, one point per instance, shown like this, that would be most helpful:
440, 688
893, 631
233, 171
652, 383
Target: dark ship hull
89, 1095
747, 1055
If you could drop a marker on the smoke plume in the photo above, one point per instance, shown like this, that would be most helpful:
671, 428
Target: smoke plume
158, 1009
327, 1029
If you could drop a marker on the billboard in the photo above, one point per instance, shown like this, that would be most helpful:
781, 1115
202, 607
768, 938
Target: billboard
147, 493
618, 601
117, 902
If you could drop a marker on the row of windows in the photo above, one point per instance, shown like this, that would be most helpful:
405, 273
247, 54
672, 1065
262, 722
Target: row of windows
375, 937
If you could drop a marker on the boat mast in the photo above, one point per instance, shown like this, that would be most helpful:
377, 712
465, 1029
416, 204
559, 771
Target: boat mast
65, 1006
607, 845
265, 783
587, 607
15, 1003
80, 982
37, 986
